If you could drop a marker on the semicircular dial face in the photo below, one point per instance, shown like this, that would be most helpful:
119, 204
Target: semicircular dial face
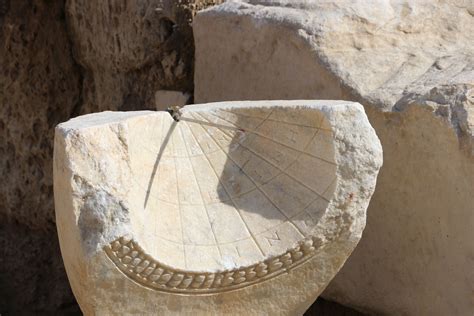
226, 187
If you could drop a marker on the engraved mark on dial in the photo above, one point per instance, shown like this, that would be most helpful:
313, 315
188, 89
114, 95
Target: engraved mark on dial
225, 188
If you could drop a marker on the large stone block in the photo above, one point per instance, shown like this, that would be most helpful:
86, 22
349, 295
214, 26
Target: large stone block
237, 207
410, 63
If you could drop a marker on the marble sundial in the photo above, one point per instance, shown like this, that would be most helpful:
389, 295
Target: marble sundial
217, 200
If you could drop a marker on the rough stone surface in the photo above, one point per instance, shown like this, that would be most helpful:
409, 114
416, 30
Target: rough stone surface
410, 64
129, 50
220, 212
40, 87
122, 62
404, 56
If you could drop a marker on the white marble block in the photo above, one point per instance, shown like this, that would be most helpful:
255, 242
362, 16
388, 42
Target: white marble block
232, 208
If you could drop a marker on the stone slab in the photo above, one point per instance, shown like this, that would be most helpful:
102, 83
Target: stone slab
238, 207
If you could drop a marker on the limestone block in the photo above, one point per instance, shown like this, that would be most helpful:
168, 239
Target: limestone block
233, 208
410, 63
166, 98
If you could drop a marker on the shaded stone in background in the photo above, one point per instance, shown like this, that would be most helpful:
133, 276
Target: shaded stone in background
40, 87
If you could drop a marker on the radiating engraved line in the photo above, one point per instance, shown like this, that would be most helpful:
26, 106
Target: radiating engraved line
284, 169
263, 192
303, 210
248, 192
281, 170
238, 252
161, 128
209, 123
324, 192
283, 144
279, 143
273, 238
273, 120
182, 157
202, 197
263, 120
179, 206
225, 189
263, 232
158, 158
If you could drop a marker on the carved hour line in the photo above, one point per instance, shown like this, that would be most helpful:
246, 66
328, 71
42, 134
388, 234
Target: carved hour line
155, 167
259, 124
264, 159
261, 191
202, 198
274, 239
283, 171
293, 133
279, 143
325, 191
265, 194
289, 166
208, 123
179, 209
221, 139
271, 120
158, 158
260, 171
237, 250
304, 210
228, 193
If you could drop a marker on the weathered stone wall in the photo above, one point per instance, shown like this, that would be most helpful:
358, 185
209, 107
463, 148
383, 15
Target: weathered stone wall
40, 87
129, 50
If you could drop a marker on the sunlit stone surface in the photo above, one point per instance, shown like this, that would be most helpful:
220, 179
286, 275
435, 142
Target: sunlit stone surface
255, 204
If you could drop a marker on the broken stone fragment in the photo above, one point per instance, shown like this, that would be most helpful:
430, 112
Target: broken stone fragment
237, 208
167, 98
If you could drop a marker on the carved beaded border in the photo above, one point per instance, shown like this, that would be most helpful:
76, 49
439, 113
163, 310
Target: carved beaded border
132, 260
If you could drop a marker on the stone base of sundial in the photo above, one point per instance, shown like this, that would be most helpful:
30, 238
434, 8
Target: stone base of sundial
225, 208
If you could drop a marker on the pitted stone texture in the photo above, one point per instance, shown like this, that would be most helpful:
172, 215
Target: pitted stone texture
410, 64
39, 87
131, 49
240, 201
376, 54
